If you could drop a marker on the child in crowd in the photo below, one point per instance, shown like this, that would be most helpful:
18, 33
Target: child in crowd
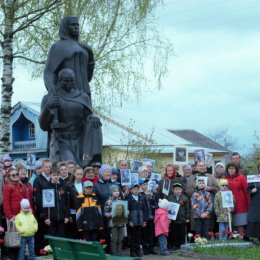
179, 225
201, 203
115, 176
222, 214
89, 216
116, 227
136, 219
26, 226
162, 223
56, 216
151, 204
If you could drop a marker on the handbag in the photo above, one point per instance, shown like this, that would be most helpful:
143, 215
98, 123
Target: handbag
12, 237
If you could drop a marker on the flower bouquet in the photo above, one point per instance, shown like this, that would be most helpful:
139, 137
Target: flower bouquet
46, 250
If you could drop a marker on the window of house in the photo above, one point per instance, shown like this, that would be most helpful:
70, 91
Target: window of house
31, 131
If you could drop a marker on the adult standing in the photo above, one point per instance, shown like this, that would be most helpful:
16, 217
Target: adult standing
14, 191
238, 185
69, 53
253, 218
236, 158
41, 183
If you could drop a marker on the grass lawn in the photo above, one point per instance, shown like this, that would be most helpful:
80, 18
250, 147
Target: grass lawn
249, 252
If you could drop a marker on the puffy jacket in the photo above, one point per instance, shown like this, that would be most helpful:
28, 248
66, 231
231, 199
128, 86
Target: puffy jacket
26, 224
238, 185
161, 222
201, 202
13, 193
89, 214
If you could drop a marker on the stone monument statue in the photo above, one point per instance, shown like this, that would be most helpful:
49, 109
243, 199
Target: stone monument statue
74, 131
69, 53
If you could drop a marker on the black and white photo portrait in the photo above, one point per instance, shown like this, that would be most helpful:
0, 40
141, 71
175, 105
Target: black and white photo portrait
180, 155
125, 177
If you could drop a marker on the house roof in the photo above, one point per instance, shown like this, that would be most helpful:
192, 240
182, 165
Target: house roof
120, 130
198, 139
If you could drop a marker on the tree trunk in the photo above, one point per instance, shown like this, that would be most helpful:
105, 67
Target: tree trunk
7, 76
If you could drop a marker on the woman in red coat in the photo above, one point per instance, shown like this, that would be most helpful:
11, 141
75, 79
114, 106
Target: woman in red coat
14, 191
238, 185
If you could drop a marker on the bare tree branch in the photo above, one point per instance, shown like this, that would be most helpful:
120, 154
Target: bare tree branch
28, 59
36, 17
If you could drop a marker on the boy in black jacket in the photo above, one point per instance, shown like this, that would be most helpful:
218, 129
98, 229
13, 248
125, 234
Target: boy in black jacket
136, 219
89, 215
57, 214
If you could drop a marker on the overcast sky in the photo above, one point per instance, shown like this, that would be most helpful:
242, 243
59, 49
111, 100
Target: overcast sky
214, 76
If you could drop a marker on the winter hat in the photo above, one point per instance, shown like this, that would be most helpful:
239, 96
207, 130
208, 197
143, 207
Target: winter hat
163, 203
88, 184
38, 164
115, 171
219, 164
24, 203
223, 182
177, 184
112, 188
6, 157
143, 180
103, 168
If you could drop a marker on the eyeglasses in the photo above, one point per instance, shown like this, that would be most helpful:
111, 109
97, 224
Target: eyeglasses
14, 175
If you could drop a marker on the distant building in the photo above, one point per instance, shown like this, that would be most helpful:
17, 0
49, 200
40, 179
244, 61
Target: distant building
121, 136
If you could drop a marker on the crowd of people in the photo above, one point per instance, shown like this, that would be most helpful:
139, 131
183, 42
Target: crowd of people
62, 199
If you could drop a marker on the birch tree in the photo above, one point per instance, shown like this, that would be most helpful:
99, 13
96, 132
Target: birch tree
123, 34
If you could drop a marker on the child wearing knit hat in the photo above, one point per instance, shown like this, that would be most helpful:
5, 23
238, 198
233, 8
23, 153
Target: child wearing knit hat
26, 226
222, 214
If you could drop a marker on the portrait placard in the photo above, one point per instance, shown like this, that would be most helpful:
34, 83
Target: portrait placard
204, 178
134, 165
134, 178
125, 177
180, 155
227, 199
48, 198
208, 158
166, 186
199, 155
156, 177
253, 178
119, 212
152, 185
173, 210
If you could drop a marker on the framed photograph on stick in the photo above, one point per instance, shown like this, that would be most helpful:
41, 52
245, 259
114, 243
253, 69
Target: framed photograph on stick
134, 178
48, 198
125, 177
199, 155
227, 199
173, 210
134, 165
119, 212
180, 155
166, 186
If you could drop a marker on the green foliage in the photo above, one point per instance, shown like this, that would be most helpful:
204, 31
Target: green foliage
250, 252
130, 51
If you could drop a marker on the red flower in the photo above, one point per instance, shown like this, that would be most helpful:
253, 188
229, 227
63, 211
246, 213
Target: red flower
211, 234
102, 241
196, 236
241, 234
230, 233
1, 241
43, 252
224, 231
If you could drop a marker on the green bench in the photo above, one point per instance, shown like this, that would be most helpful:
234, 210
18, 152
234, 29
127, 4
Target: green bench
72, 249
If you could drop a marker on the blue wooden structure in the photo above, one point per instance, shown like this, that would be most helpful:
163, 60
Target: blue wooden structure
25, 132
